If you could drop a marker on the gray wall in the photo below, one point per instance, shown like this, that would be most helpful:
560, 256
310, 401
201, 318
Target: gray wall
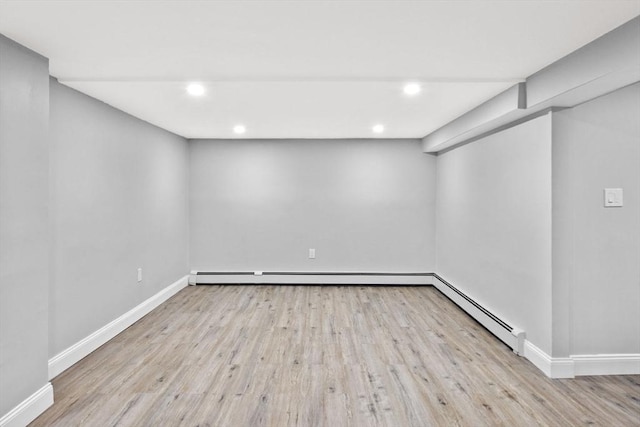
364, 205
119, 201
597, 249
494, 224
24, 259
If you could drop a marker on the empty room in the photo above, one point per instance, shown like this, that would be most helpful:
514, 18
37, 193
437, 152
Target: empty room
319, 213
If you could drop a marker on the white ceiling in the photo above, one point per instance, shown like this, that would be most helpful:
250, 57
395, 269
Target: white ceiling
303, 69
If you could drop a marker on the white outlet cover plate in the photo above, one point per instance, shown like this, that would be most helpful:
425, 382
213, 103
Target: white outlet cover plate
613, 197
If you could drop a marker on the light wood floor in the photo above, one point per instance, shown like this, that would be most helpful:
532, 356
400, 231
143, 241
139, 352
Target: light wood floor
323, 356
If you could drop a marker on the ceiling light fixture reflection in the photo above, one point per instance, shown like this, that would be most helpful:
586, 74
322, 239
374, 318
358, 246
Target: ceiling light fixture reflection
378, 129
195, 89
239, 129
412, 89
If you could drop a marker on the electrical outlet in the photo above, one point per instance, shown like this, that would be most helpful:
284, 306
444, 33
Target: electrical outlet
140, 275
312, 253
613, 197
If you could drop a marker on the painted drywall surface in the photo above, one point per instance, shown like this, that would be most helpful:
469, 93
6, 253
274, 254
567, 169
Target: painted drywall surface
24, 262
494, 224
119, 196
596, 145
364, 205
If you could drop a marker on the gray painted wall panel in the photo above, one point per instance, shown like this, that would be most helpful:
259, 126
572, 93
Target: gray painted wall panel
494, 224
597, 249
24, 257
364, 205
119, 201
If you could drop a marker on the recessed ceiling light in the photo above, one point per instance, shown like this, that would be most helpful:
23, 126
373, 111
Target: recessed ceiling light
195, 89
239, 129
412, 89
378, 128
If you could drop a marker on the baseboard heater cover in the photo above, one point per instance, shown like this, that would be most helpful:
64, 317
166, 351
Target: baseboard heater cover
513, 337
309, 278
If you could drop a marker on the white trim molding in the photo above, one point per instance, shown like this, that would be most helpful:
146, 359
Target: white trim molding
558, 367
606, 364
65, 359
29, 409
583, 364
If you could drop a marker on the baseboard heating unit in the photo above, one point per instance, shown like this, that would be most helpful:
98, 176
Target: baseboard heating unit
309, 278
511, 336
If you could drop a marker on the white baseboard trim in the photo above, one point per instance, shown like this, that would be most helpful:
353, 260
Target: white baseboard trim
583, 364
63, 360
558, 367
606, 364
29, 409
311, 278
514, 338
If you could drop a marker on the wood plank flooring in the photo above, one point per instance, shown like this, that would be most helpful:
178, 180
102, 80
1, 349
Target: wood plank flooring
323, 356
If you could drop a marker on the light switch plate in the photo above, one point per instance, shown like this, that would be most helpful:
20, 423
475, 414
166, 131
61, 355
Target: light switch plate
612, 197
312, 253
